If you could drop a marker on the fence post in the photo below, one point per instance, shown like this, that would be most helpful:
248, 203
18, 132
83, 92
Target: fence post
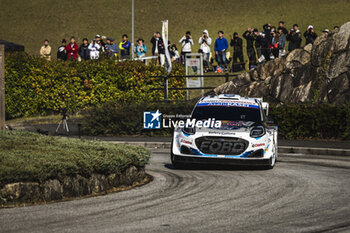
166, 88
2, 87
226, 77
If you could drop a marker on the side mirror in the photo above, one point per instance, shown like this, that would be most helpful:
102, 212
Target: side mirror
265, 107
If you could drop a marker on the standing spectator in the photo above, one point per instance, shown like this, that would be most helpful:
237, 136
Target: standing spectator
250, 37
175, 55
336, 28
257, 44
310, 35
158, 49
72, 50
61, 51
220, 47
141, 49
294, 38
111, 48
266, 42
124, 47
282, 42
237, 44
94, 49
100, 42
275, 44
84, 51
205, 42
187, 43
281, 27
45, 51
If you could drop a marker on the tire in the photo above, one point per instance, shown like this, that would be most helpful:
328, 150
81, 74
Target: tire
272, 160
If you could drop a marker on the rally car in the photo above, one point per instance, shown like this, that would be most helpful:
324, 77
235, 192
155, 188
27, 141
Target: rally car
232, 130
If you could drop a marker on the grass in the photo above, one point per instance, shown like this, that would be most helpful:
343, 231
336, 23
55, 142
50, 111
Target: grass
27, 156
30, 22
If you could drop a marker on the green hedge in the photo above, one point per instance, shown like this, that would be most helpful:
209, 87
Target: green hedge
35, 86
27, 156
302, 121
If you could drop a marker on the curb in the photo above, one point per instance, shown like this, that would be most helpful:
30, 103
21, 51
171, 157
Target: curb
281, 149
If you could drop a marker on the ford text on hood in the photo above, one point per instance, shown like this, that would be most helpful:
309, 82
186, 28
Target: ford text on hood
226, 129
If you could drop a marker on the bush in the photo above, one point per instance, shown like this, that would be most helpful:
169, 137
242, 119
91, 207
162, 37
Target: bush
32, 157
302, 121
36, 86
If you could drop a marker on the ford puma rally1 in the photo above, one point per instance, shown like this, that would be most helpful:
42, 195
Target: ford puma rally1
226, 129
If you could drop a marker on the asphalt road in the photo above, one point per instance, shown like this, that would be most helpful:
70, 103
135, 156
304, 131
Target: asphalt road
301, 194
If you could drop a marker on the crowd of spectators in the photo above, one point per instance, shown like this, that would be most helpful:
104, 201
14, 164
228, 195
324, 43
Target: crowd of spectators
261, 46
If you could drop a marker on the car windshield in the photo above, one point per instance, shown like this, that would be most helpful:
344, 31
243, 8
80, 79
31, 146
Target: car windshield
227, 113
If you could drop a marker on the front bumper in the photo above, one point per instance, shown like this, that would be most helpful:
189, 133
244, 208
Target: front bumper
220, 161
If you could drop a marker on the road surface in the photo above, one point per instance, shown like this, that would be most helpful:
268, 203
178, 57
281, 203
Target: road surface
302, 193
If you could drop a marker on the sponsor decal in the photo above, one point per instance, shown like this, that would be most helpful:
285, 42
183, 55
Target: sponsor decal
258, 145
185, 141
229, 104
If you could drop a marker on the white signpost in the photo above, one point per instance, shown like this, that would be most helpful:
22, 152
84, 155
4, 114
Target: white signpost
194, 66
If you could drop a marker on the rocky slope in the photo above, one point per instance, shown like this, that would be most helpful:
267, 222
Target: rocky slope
316, 73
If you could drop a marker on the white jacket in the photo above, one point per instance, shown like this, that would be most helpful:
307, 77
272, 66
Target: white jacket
186, 46
94, 50
205, 47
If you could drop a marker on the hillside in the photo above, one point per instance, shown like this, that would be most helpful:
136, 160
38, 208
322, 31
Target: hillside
317, 73
30, 22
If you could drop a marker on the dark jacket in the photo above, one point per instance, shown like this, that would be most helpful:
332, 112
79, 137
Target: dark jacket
250, 39
161, 49
310, 37
266, 40
237, 44
258, 42
62, 53
84, 52
294, 39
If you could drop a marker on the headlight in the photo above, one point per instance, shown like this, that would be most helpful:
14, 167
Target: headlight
189, 130
257, 131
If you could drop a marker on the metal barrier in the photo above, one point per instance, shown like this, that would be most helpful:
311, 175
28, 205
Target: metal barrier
166, 88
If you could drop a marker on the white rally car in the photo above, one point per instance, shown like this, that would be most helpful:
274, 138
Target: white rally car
236, 133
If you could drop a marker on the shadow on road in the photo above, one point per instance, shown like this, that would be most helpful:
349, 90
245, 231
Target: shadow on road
214, 167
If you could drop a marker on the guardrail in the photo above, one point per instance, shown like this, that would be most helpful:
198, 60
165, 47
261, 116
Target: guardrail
166, 88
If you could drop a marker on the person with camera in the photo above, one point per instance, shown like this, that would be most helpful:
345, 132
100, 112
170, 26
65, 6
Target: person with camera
187, 43
310, 35
250, 37
220, 47
84, 51
205, 42
237, 44
94, 49
111, 48
158, 48
141, 49
72, 50
61, 51
294, 38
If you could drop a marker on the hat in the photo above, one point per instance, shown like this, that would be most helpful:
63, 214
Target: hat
97, 36
110, 38
63, 40
255, 30
310, 26
326, 30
